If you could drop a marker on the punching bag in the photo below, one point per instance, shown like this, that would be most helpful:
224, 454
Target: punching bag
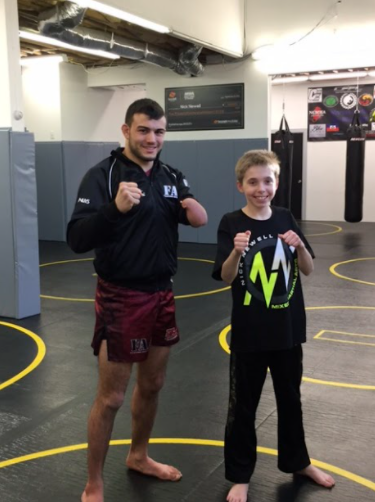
355, 170
282, 144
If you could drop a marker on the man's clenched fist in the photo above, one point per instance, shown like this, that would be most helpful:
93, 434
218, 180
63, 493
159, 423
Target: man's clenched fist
127, 196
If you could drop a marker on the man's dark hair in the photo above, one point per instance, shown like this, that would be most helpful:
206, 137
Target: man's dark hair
146, 106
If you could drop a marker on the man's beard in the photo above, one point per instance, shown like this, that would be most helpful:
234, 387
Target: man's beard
137, 153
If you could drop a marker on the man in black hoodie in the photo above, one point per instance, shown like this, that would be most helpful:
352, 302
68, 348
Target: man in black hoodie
128, 209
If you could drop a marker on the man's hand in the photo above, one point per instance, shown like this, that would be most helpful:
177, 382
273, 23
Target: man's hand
292, 239
241, 241
127, 196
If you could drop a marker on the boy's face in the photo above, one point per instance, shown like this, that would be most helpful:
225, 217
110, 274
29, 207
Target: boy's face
259, 186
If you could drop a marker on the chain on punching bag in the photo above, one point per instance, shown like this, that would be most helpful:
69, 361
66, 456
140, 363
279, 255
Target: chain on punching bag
282, 145
355, 169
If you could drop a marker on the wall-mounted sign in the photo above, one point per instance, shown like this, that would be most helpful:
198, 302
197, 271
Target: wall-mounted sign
205, 107
331, 109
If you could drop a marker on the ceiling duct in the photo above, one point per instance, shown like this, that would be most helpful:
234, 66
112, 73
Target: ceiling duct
62, 16
59, 22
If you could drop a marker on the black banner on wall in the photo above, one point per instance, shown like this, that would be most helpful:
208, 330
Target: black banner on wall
331, 109
205, 107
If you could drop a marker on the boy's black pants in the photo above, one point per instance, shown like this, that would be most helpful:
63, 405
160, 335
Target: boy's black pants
248, 372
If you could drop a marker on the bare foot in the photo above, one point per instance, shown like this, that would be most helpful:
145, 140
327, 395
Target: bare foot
320, 477
149, 467
92, 494
238, 493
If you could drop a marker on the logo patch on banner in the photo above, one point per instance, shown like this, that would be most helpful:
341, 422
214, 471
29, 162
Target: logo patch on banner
317, 130
316, 95
348, 100
333, 128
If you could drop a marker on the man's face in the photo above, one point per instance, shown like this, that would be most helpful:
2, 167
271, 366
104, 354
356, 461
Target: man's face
144, 138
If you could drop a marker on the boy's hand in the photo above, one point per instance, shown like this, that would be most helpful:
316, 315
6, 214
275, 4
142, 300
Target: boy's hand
292, 239
241, 241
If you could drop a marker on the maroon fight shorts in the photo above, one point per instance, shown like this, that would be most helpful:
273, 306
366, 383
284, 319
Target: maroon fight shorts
131, 321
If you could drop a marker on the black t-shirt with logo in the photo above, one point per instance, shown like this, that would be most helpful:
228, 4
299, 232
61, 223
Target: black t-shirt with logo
268, 308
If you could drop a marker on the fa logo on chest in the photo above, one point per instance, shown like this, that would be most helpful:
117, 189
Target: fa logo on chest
170, 191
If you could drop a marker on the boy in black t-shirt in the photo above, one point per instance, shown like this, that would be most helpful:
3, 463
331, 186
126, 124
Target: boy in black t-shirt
260, 252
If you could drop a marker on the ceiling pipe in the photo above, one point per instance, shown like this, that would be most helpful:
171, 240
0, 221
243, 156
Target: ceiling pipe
62, 23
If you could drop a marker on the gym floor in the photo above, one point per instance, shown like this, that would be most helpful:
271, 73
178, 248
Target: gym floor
48, 383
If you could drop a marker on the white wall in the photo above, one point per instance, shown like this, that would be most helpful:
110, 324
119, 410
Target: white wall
343, 39
11, 105
42, 104
67, 103
157, 79
93, 114
212, 23
324, 174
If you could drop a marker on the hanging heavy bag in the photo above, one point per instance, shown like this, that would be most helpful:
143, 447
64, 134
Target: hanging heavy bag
282, 144
355, 169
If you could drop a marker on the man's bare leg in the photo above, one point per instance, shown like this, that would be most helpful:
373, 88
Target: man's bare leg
238, 493
150, 380
320, 477
113, 380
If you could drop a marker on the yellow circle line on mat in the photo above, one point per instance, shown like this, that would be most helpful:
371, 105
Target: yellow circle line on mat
178, 297
338, 229
38, 359
224, 345
186, 441
333, 267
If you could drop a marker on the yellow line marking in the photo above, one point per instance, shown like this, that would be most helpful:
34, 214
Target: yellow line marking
91, 300
62, 298
338, 229
64, 262
38, 359
186, 441
224, 345
320, 336
333, 267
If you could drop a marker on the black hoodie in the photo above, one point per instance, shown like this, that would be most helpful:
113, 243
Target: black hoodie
138, 249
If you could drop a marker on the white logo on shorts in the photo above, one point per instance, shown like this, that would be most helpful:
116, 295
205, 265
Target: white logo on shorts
138, 346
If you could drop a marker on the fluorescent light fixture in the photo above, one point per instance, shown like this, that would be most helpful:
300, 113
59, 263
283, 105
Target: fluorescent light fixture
288, 80
332, 76
35, 37
38, 60
371, 74
122, 14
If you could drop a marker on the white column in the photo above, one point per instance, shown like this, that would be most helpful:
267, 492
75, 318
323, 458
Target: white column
11, 106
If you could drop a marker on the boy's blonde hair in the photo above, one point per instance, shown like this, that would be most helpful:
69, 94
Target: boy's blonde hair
257, 158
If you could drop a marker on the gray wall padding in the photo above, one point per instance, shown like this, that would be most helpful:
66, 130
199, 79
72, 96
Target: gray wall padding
60, 167
19, 265
209, 168
7, 282
50, 185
